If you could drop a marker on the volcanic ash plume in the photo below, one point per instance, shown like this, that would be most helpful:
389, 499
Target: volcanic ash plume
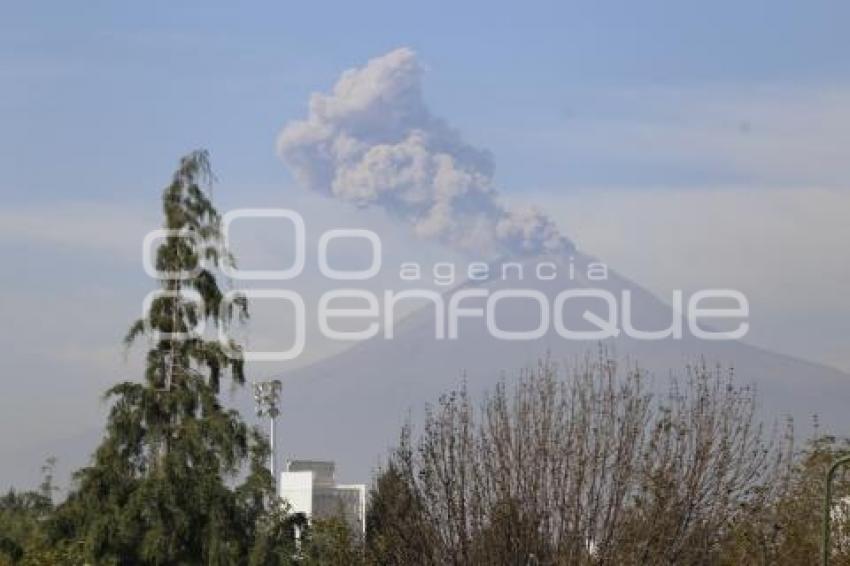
373, 141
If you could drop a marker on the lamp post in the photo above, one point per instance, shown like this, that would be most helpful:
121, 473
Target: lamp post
266, 397
827, 506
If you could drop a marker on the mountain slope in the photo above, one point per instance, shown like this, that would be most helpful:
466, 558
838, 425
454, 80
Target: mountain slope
350, 408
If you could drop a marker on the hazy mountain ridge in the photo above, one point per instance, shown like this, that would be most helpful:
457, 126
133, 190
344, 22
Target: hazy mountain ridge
350, 407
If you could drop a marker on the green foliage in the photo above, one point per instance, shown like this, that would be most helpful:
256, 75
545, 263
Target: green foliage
397, 532
23, 539
274, 538
160, 488
330, 542
20, 515
788, 529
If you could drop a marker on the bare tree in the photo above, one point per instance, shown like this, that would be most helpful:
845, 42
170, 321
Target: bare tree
581, 466
706, 458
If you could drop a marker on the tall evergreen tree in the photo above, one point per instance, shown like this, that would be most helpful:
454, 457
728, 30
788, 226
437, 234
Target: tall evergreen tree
160, 487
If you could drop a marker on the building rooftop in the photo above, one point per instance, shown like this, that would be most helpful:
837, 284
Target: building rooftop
310, 488
323, 471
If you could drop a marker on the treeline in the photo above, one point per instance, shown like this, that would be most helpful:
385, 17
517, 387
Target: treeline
573, 466
583, 466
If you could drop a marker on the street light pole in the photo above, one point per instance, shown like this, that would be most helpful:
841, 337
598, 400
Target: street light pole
267, 397
827, 506
272, 457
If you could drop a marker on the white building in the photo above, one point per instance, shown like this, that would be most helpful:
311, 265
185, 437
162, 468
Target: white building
310, 488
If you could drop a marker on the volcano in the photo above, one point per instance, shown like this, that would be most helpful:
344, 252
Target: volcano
350, 408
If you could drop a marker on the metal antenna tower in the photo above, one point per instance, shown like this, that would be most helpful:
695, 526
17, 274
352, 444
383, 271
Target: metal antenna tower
267, 397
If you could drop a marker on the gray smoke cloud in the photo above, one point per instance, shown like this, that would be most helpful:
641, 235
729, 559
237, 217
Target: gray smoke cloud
372, 141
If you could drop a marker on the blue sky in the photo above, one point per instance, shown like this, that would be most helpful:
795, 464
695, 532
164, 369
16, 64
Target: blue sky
108, 93
687, 144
